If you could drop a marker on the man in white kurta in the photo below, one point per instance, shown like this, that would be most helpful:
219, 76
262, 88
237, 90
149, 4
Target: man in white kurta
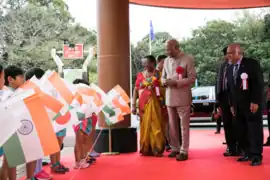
178, 97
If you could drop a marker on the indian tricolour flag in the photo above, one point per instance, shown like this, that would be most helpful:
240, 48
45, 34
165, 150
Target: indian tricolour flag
53, 84
120, 99
111, 113
35, 138
92, 99
52, 105
72, 117
8, 127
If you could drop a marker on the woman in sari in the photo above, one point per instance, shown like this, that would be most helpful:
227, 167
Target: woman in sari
151, 102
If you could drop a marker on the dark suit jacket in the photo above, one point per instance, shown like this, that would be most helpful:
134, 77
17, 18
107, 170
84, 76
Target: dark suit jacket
239, 98
219, 81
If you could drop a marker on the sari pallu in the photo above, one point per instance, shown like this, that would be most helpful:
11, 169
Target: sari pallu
152, 136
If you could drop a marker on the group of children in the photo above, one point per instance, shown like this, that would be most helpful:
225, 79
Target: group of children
11, 78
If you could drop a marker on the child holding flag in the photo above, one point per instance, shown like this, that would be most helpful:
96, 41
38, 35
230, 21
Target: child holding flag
4, 170
40, 174
14, 78
82, 131
56, 166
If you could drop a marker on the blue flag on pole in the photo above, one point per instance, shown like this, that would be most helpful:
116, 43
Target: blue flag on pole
152, 34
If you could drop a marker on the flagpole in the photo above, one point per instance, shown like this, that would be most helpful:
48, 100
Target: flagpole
150, 45
151, 37
110, 142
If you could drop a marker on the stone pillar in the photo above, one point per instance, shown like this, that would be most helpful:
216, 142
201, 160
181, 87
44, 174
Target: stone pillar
113, 48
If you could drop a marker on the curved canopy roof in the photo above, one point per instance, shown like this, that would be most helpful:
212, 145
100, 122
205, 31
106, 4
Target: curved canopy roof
204, 4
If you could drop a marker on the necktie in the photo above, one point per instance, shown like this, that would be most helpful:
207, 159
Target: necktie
225, 78
235, 72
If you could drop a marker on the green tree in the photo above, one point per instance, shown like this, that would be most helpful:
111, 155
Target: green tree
206, 45
30, 32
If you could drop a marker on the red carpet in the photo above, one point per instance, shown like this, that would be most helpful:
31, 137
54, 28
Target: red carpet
205, 163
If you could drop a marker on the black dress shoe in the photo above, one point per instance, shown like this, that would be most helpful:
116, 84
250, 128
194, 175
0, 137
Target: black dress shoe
182, 157
230, 153
173, 154
243, 159
256, 162
218, 132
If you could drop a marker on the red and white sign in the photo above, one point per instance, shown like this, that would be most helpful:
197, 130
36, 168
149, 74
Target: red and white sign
73, 53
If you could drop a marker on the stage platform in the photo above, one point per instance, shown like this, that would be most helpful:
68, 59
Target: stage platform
205, 163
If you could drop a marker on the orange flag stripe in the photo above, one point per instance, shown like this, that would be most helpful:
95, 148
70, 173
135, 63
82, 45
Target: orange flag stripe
61, 87
78, 97
49, 101
123, 108
122, 93
91, 92
42, 124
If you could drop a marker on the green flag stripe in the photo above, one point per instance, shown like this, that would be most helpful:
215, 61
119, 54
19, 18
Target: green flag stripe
109, 111
81, 116
108, 122
59, 114
13, 151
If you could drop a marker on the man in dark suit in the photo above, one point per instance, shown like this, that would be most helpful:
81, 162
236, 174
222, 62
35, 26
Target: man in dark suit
268, 111
245, 83
222, 97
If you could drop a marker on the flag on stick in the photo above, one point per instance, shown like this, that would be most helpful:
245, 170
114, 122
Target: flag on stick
35, 138
52, 84
53, 106
92, 99
8, 127
120, 100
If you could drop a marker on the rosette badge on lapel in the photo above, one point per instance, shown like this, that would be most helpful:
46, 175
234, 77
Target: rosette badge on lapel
244, 77
180, 72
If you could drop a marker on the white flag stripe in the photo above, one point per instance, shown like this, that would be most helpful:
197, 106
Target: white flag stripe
7, 129
29, 140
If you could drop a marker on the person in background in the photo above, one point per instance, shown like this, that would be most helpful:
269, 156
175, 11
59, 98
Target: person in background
152, 127
4, 169
40, 174
245, 83
216, 115
82, 131
14, 78
222, 97
56, 165
268, 112
160, 62
178, 76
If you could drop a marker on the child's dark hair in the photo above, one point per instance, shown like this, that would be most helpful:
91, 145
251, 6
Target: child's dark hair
161, 57
12, 71
151, 59
34, 72
80, 81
